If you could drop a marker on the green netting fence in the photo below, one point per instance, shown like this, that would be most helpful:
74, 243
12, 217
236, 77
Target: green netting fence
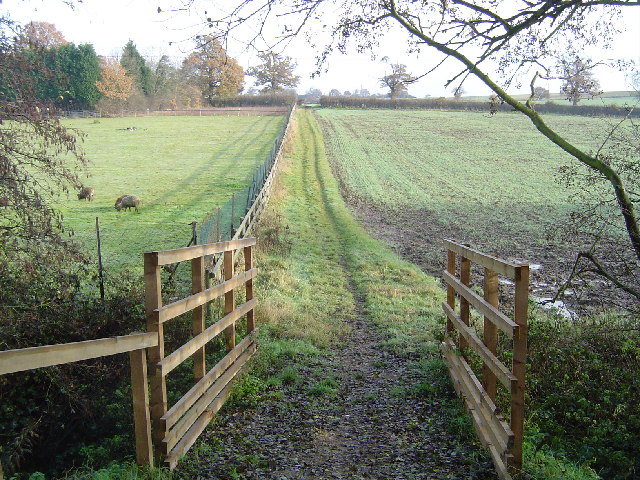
220, 224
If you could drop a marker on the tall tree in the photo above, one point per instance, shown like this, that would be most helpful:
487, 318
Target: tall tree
40, 34
78, 69
522, 37
137, 68
275, 72
578, 79
114, 82
212, 70
397, 80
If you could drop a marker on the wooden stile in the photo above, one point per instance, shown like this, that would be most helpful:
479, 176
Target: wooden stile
177, 428
503, 440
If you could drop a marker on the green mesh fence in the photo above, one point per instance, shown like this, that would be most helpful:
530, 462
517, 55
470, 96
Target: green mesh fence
221, 223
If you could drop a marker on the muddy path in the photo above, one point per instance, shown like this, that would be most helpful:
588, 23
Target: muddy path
359, 412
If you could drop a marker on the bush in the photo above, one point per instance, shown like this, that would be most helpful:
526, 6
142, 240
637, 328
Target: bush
80, 413
583, 387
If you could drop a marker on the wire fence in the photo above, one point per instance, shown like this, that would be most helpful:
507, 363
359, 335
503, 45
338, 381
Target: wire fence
220, 224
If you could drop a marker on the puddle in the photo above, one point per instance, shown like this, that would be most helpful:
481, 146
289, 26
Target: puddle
559, 306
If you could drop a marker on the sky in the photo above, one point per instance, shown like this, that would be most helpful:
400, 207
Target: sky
110, 24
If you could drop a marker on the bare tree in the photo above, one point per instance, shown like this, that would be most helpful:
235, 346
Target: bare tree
397, 80
523, 38
578, 79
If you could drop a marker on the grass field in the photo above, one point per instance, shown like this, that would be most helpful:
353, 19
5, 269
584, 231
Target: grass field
180, 167
487, 180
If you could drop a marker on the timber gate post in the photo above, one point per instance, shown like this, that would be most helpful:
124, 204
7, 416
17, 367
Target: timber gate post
153, 301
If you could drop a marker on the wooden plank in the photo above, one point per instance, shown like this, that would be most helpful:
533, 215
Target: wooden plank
141, 415
519, 362
490, 332
184, 424
248, 266
189, 398
19, 360
158, 385
503, 322
499, 369
229, 302
499, 432
465, 279
166, 257
171, 361
501, 266
493, 428
196, 429
197, 317
180, 307
451, 293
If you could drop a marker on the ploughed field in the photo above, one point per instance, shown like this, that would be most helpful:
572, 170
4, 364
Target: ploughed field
180, 167
416, 177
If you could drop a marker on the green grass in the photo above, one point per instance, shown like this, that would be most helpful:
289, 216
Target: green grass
180, 167
490, 179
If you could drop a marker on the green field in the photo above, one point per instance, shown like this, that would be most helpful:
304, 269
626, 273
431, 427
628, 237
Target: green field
180, 167
488, 180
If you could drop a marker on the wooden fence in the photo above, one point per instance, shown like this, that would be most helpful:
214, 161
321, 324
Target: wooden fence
176, 429
503, 439
12, 361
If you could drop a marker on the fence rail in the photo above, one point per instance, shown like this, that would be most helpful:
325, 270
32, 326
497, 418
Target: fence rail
12, 361
177, 428
503, 439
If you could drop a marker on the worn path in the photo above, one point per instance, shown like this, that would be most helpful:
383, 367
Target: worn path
360, 413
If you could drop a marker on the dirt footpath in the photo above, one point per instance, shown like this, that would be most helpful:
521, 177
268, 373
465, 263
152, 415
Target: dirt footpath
356, 415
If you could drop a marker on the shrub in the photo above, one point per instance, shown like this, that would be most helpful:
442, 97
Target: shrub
583, 385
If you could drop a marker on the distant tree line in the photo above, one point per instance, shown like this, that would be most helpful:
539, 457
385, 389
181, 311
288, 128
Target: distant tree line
73, 77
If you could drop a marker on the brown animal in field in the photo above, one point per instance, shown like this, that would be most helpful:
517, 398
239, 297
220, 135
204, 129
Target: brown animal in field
127, 202
119, 199
86, 192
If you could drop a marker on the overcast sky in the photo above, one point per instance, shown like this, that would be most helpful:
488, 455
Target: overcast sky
110, 24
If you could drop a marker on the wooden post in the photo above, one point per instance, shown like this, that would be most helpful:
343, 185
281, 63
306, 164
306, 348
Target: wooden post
218, 225
490, 336
141, 416
100, 270
248, 265
451, 293
197, 316
465, 278
153, 300
233, 205
230, 331
519, 362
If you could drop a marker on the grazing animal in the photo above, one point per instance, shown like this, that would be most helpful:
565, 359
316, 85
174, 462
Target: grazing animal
86, 192
127, 202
